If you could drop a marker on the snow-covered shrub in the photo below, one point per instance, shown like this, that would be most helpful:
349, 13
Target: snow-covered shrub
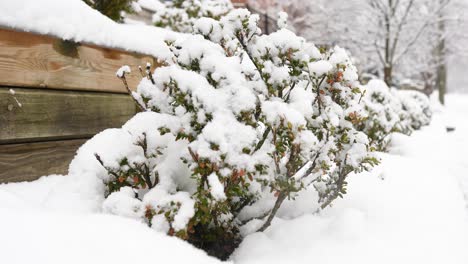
385, 114
234, 121
417, 106
179, 15
309, 100
390, 110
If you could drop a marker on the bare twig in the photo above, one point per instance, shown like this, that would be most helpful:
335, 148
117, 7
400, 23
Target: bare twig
148, 73
124, 80
143, 75
192, 154
279, 201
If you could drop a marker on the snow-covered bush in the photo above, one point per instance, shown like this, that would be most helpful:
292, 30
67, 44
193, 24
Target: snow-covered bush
308, 95
179, 15
417, 106
385, 114
235, 121
390, 110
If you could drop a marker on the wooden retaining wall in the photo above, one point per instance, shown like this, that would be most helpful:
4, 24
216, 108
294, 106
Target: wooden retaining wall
64, 93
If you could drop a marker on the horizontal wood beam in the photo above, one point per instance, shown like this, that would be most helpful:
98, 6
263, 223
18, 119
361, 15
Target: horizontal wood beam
29, 161
39, 114
41, 61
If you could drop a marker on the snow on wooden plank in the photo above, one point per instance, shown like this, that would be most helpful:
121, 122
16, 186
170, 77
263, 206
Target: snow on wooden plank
32, 60
29, 161
28, 115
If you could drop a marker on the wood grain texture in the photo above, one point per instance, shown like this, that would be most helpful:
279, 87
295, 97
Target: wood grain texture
53, 114
28, 162
32, 60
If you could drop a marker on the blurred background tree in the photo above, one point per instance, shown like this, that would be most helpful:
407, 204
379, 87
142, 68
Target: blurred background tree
411, 44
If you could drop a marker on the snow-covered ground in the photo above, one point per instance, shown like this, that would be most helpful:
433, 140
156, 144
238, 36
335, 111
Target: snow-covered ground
410, 209
455, 153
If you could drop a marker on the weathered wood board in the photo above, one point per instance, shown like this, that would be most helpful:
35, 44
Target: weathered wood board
52, 114
29, 161
39, 61
64, 93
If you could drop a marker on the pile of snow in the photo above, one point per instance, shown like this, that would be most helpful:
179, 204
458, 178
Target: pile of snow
35, 236
74, 20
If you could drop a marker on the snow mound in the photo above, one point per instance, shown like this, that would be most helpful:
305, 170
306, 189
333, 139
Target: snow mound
52, 238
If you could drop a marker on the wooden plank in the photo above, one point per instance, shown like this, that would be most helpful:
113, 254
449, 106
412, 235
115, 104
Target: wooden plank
52, 114
32, 60
28, 162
